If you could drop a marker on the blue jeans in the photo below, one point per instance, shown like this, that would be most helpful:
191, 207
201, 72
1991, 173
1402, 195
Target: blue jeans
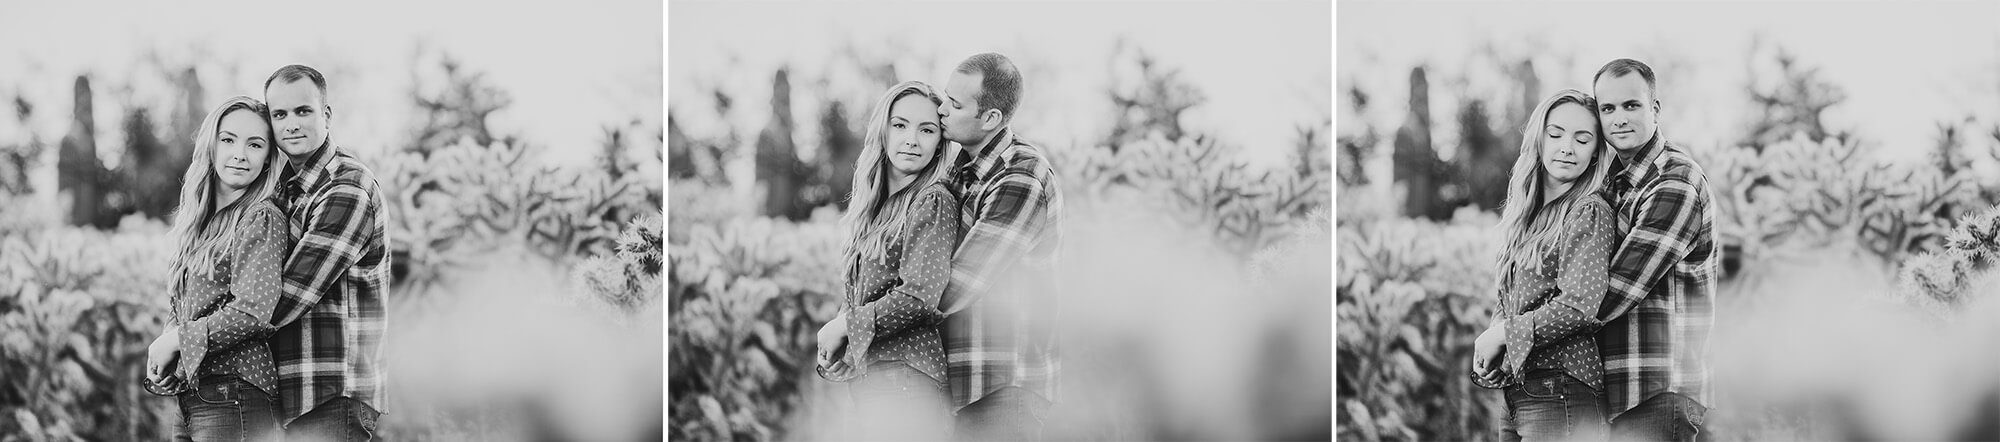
1551, 405
339, 419
1007, 414
1663, 417
224, 408
896, 402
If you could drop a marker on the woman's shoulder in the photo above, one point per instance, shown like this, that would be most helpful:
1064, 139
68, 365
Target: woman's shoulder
938, 193
1594, 204
1591, 210
265, 212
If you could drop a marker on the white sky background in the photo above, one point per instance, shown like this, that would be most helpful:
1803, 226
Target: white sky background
571, 67
1904, 65
1265, 66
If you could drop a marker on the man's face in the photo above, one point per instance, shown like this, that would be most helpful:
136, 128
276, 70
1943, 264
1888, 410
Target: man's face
299, 116
960, 112
1629, 113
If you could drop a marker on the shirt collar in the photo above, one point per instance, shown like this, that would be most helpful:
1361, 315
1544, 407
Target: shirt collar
971, 163
1643, 162
315, 168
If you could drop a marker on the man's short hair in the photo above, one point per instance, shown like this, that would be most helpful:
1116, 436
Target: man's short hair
1626, 66
999, 82
296, 72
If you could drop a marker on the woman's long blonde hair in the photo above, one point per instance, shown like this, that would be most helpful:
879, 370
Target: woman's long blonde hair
203, 232
874, 216
1530, 228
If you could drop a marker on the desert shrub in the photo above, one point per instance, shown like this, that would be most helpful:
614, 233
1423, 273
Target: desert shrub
745, 298
454, 203
1412, 295
80, 306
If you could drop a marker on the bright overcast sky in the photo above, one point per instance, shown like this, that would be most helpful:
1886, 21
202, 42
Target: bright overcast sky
1265, 66
571, 66
1903, 65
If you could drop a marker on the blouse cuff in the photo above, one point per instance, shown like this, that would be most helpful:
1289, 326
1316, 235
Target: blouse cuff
194, 348
1520, 342
860, 336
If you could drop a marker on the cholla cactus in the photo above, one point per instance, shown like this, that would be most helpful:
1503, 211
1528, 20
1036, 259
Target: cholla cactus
1939, 279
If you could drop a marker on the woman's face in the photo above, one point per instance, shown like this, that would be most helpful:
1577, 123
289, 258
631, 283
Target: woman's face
913, 134
1569, 141
242, 143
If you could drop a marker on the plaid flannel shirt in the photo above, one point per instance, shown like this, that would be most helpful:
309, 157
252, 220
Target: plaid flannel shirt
331, 318
1659, 310
1000, 306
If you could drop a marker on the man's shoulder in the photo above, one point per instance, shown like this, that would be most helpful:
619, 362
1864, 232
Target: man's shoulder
1025, 157
347, 171
1676, 164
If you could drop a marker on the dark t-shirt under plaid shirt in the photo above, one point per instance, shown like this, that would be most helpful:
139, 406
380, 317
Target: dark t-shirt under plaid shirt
1660, 307
1000, 307
330, 318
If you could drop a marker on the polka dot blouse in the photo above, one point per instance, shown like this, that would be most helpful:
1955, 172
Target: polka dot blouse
891, 304
225, 318
1549, 310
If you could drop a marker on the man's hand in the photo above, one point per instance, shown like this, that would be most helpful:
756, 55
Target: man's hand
832, 340
160, 356
1487, 351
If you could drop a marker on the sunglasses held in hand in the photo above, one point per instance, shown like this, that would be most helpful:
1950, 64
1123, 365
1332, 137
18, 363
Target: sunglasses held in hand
169, 385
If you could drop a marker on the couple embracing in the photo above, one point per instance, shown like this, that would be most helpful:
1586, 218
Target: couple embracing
945, 330
1607, 273
278, 277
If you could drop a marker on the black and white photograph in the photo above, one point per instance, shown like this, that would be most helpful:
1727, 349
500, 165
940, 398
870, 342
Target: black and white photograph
1667, 221
331, 221
999, 221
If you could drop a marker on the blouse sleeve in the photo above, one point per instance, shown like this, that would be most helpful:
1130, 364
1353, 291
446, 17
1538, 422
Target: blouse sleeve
256, 262
1582, 277
929, 239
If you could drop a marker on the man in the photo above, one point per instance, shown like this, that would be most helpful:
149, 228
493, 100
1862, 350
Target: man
1000, 304
330, 320
1659, 310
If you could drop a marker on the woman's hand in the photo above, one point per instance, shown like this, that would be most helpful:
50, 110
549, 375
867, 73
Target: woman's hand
832, 338
1487, 350
162, 353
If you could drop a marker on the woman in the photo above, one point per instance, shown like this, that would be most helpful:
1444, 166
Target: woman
1558, 237
902, 226
232, 243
